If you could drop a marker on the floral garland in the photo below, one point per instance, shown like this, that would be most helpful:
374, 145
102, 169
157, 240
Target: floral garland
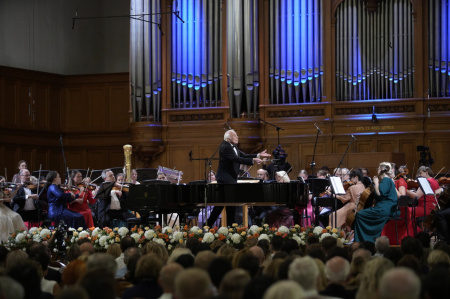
169, 237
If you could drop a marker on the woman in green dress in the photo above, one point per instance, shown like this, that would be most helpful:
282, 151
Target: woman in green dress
370, 222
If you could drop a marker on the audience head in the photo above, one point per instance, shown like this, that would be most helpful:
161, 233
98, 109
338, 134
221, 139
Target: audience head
14, 257
337, 270
28, 274
203, 259
381, 244
328, 243
394, 254
438, 256
371, 275
193, 283
87, 248
10, 288
305, 271
399, 283
412, 246
114, 250
167, 276
73, 272
126, 243
98, 283
256, 288
102, 261
148, 267
233, 283
285, 289
436, 284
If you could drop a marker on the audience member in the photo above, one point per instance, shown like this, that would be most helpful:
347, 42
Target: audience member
256, 288
10, 288
399, 283
193, 283
285, 289
217, 270
381, 245
436, 284
147, 272
337, 270
203, 259
304, 271
166, 279
370, 277
97, 282
437, 256
411, 262
233, 284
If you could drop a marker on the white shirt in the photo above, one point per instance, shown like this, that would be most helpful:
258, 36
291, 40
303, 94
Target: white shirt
29, 202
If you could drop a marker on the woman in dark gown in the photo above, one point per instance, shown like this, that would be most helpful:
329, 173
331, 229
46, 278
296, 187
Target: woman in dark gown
370, 222
58, 200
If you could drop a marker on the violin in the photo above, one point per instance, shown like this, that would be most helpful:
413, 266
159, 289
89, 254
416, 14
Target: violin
444, 181
87, 186
347, 185
412, 184
403, 174
121, 187
65, 187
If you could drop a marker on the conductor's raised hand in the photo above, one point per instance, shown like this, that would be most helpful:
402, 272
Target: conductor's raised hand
257, 161
264, 154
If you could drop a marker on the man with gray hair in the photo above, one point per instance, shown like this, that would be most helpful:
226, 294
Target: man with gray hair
230, 158
305, 271
104, 197
381, 245
399, 283
337, 270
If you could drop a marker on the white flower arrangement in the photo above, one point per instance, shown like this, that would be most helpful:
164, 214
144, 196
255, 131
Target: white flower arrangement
136, 237
223, 231
123, 231
208, 238
283, 229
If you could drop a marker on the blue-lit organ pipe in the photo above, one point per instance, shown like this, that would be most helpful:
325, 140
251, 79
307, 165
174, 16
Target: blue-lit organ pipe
196, 63
374, 51
296, 63
145, 60
242, 57
439, 48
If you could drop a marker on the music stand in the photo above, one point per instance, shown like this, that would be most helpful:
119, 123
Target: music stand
336, 189
146, 174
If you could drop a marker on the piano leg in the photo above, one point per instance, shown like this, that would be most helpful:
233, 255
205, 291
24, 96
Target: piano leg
224, 218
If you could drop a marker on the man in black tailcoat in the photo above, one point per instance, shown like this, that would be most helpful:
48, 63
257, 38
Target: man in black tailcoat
230, 158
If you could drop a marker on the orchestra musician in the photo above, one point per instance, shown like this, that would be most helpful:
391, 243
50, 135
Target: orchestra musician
103, 197
134, 176
303, 174
58, 200
10, 221
82, 206
230, 158
118, 196
20, 165
391, 227
262, 174
425, 202
370, 222
350, 199
282, 177
25, 201
212, 177
161, 176
345, 175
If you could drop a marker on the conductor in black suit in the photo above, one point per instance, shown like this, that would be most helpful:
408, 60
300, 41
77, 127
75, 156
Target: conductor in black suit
230, 158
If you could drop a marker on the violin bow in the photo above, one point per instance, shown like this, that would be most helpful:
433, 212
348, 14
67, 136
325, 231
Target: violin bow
6, 175
39, 179
439, 172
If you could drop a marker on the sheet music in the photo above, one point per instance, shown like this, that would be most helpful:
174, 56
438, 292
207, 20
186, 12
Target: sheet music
425, 185
337, 186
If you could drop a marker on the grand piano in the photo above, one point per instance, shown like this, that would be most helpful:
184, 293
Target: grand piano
162, 197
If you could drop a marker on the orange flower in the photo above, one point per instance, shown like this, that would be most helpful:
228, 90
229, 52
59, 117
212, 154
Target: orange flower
200, 239
278, 233
310, 234
256, 235
191, 235
221, 237
324, 231
212, 231
92, 228
249, 237
302, 229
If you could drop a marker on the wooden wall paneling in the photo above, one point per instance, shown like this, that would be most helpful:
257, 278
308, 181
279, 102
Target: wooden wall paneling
439, 149
75, 117
55, 111
118, 117
305, 153
97, 159
40, 107
25, 153
24, 111
41, 158
76, 158
363, 145
408, 146
387, 145
97, 107
116, 157
9, 160
56, 161
9, 104
179, 159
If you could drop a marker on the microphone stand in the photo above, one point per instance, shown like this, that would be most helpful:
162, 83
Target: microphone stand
64, 157
277, 127
314, 153
345, 153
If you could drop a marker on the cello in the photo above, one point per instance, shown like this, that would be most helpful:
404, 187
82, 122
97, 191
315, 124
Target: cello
366, 200
443, 201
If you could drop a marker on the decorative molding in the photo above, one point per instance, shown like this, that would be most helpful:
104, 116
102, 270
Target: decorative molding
439, 107
296, 113
378, 110
196, 117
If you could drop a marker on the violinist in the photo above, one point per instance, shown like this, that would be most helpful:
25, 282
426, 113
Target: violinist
103, 197
370, 222
354, 190
25, 201
58, 200
345, 175
425, 203
389, 230
119, 194
85, 196
20, 165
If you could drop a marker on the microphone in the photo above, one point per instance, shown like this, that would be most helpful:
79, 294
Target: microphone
318, 129
353, 136
190, 156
